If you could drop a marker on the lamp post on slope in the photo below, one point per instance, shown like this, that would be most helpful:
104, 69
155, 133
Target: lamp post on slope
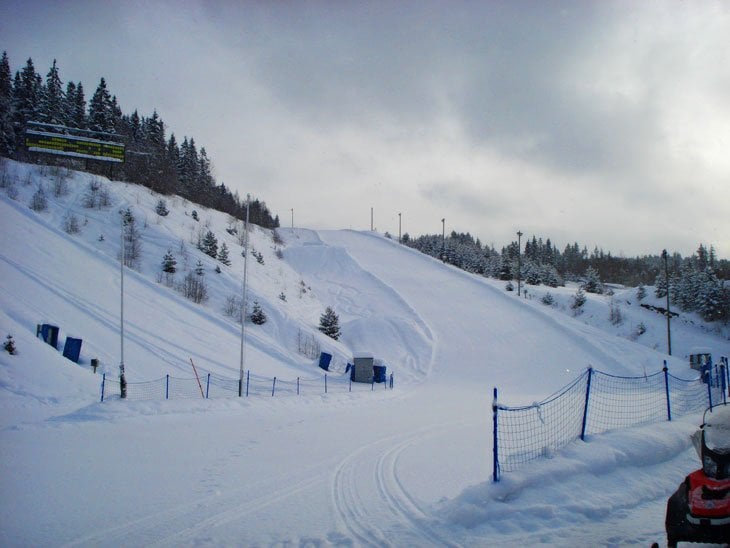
519, 262
669, 315
243, 298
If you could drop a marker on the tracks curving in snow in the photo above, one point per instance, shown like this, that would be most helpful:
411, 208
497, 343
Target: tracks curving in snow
372, 501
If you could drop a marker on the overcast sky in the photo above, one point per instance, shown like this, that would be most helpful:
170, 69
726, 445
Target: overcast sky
606, 123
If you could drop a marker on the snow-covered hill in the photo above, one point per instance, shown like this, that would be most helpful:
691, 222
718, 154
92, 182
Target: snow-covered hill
409, 466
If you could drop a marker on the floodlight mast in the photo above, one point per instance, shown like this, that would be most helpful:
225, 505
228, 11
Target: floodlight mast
243, 298
122, 380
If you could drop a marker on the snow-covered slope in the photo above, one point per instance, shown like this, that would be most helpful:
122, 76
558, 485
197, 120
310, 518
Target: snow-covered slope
404, 467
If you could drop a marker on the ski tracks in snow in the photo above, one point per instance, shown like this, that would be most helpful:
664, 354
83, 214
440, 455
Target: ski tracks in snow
371, 501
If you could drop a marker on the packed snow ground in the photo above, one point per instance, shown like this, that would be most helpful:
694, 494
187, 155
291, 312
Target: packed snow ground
411, 466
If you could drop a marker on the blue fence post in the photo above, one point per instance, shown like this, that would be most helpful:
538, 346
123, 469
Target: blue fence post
495, 458
585, 406
666, 388
207, 387
273, 388
103, 382
167, 387
248, 374
709, 388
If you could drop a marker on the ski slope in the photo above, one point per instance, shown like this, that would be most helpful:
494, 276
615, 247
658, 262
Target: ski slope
411, 466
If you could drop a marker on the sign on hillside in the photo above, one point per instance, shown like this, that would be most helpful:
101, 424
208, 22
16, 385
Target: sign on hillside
75, 146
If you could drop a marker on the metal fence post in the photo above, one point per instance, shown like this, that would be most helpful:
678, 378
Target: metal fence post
167, 387
495, 452
722, 382
103, 382
708, 377
666, 388
585, 406
297, 386
207, 387
273, 388
325, 383
248, 374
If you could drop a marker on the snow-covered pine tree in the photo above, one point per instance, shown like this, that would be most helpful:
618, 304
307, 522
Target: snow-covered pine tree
329, 323
169, 267
592, 282
7, 135
53, 100
101, 112
258, 316
641, 292
209, 244
9, 345
161, 208
223, 255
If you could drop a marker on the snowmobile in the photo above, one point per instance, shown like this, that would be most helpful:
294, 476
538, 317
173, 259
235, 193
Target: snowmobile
699, 510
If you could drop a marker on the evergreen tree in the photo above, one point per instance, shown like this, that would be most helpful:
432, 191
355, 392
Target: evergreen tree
329, 323
53, 100
209, 244
101, 111
592, 282
132, 240
75, 105
27, 95
7, 135
169, 263
223, 255
641, 292
258, 316
9, 345
161, 208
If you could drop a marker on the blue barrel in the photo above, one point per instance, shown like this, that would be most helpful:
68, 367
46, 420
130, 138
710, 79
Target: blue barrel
379, 373
72, 349
49, 333
324, 360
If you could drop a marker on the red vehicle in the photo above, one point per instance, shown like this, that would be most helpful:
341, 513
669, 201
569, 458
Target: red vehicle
699, 511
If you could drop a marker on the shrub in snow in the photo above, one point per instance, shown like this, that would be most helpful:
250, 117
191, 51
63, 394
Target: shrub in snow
548, 299
71, 224
233, 307
38, 201
579, 299
194, 214
161, 208
223, 255
614, 313
592, 282
640, 329
641, 292
9, 345
193, 287
282, 296
209, 244
329, 324
509, 287
258, 316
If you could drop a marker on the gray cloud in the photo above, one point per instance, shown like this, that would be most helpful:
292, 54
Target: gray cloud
557, 118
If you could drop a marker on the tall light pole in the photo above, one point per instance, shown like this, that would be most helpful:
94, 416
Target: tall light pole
292, 216
669, 315
443, 239
243, 298
519, 262
400, 236
122, 379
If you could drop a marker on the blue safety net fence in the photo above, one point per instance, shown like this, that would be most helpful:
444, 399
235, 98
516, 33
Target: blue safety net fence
209, 385
597, 402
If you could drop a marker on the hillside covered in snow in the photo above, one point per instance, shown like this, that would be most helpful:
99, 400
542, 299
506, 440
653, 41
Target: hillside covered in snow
408, 466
